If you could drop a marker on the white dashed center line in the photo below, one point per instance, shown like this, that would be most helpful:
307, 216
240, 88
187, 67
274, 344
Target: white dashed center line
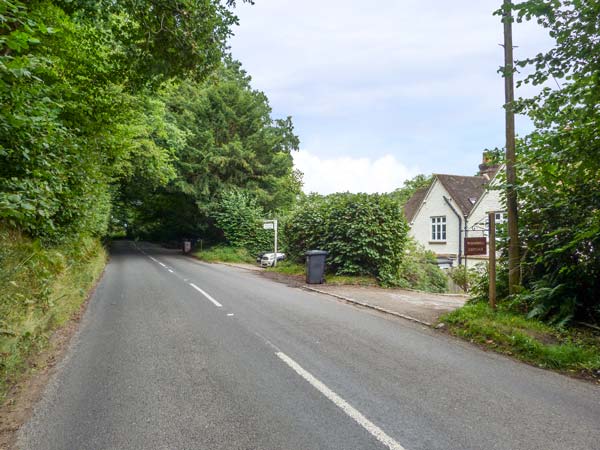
216, 303
356, 415
353, 413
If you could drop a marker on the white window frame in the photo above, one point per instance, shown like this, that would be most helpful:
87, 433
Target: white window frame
438, 229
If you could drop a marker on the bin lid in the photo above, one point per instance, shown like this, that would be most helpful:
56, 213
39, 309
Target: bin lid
315, 252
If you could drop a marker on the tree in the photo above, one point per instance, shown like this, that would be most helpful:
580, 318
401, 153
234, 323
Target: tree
403, 194
228, 141
78, 114
560, 163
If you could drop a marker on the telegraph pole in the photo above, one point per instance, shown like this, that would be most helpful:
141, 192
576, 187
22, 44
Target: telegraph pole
514, 272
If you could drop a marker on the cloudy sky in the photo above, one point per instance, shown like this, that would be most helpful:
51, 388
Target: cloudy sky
382, 90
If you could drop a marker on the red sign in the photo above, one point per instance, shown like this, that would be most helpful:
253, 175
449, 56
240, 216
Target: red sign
475, 246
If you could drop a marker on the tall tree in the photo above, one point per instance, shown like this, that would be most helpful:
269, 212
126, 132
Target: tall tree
560, 162
230, 141
76, 79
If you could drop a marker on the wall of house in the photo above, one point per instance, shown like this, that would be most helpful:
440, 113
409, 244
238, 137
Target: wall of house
434, 205
492, 200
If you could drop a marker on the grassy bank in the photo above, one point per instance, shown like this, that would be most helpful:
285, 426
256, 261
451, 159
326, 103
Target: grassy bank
295, 269
572, 350
40, 289
222, 253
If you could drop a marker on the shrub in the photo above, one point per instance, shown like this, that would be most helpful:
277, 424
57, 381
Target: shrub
467, 278
238, 215
365, 234
419, 270
40, 288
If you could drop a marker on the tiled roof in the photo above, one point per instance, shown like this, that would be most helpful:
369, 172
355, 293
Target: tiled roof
465, 191
413, 203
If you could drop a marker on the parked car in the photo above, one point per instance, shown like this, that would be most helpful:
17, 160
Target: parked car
259, 256
268, 259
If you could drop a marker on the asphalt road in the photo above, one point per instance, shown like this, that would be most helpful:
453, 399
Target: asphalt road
158, 364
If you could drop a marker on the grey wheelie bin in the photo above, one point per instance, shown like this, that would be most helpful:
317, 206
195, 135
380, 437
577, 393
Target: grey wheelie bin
315, 266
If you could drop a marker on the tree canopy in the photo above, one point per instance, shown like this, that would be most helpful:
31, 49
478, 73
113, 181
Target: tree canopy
130, 112
559, 163
223, 138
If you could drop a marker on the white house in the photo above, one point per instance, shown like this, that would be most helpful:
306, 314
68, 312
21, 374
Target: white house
451, 208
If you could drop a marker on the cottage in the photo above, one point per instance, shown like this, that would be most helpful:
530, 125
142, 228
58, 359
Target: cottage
454, 207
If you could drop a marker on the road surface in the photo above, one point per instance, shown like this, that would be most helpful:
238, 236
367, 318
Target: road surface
177, 354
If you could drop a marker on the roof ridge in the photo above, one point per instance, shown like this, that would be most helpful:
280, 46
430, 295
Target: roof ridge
462, 176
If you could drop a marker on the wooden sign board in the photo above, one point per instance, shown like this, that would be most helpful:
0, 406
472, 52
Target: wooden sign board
475, 246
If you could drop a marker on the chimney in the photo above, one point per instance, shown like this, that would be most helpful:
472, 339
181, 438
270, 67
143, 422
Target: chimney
487, 169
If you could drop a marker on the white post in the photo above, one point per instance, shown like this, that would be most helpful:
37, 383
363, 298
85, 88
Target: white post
275, 227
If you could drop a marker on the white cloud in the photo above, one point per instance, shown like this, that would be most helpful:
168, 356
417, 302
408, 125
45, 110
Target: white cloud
340, 174
415, 79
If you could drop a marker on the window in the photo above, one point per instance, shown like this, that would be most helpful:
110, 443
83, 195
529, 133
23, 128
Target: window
438, 228
501, 219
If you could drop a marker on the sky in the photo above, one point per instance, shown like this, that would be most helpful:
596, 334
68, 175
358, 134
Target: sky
382, 90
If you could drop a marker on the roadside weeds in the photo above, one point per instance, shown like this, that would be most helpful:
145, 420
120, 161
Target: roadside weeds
22, 397
44, 293
574, 352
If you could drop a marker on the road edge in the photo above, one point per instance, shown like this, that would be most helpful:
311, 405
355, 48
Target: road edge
368, 305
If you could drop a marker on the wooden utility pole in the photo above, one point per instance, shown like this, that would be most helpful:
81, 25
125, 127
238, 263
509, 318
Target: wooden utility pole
492, 258
514, 272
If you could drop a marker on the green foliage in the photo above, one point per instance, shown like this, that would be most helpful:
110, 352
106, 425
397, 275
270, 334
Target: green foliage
419, 270
232, 140
364, 234
155, 40
240, 218
476, 279
288, 267
559, 166
73, 120
479, 282
527, 339
403, 194
40, 288
224, 253
223, 138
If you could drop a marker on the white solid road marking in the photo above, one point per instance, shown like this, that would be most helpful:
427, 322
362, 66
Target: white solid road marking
216, 303
377, 432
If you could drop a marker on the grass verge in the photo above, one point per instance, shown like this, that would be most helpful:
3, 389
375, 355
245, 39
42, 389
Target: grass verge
573, 350
40, 289
295, 269
222, 253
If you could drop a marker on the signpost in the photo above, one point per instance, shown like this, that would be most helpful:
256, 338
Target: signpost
272, 225
492, 259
